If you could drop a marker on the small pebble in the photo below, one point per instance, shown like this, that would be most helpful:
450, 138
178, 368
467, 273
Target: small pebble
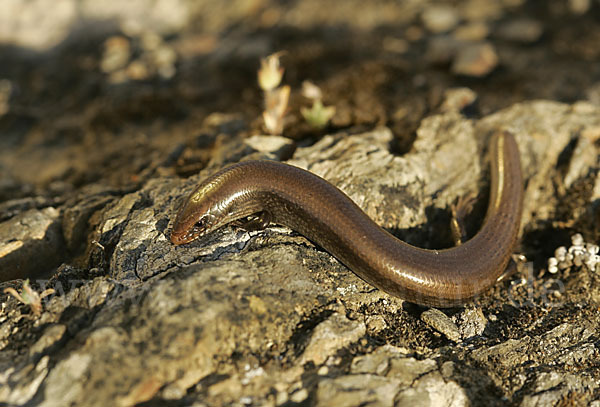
441, 323
525, 31
476, 31
439, 19
579, 6
475, 60
323, 371
457, 99
299, 396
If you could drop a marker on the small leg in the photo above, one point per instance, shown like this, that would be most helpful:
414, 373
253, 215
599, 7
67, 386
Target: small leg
257, 222
459, 212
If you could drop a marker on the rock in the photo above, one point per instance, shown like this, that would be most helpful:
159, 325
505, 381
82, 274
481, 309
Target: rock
267, 317
458, 99
441, 323
13, 207
438, 19
551, 387
117, 51
579, 6
49, 339
475, 31
346, 390
375, 324
75, 219
478, 59
30, 244
508, 354
21, 26
407, 370
471, 322
280, 147
330, 336
433, 390
583, 158
27, 381
377, 362
540, 157
525, 31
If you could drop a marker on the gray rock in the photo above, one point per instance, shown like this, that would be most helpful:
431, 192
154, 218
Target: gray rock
441, 323
75, 219
346, 390
30, 244
440, 18
552, 387
524, 31
458, 99
377, 362
407, 370
432, 390
508, 354
331, 335
52, 335
579, 6
22, 26
25, 382
471, 322
477, 60
473, 31
278, 146
583, 158
267, 318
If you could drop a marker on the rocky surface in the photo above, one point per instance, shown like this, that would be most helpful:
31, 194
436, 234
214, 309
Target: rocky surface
266, 317
90, 183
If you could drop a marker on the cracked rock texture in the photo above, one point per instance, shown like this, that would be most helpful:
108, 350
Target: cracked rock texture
267, 317
111, 114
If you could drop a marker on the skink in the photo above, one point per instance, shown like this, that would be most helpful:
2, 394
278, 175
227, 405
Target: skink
308, 204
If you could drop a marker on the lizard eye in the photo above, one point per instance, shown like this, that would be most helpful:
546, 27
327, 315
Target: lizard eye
200, 224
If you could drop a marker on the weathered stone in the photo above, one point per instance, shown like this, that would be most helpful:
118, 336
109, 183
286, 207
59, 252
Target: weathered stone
471, 322
267, 317
441, 323
346, 390
521, 30
377, 362
407, 370
432, 390
280, 147
30, 244
330, 336
440, 18
477, 60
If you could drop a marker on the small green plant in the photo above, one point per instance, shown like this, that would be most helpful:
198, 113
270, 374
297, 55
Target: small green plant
318, 115
30, 297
